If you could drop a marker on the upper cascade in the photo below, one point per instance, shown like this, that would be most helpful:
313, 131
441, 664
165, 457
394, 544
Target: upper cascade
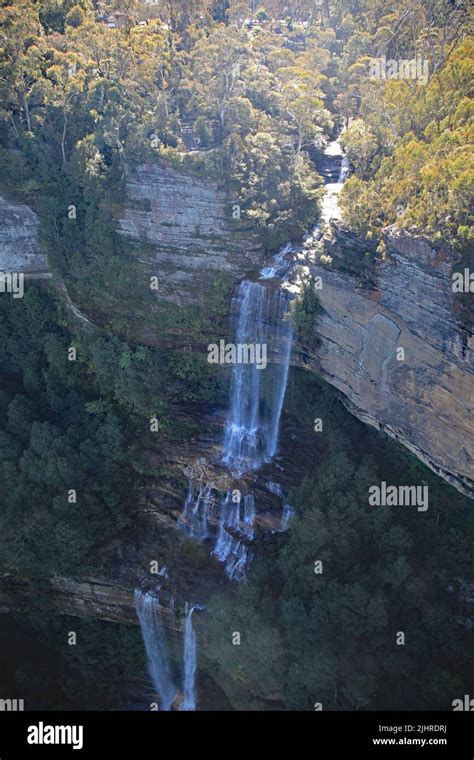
261, 316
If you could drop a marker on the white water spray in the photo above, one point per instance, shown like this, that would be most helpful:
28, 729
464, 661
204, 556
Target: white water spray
251, 433
193, 518
154, 637
189, 659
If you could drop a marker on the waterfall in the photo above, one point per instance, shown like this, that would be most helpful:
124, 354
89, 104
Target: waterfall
249, 515
279, 266
149, 614
344, 170
330, 205
260, 316
193, 518
189, 658
159, 665
288, 513
275, 488
227, 519
288, 510
251, 433
236, 529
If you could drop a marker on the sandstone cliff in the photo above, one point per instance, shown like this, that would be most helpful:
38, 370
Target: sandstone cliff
88, 597
371, 308
19, 249
188, 225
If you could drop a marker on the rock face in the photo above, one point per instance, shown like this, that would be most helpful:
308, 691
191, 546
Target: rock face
191, 233
181, 229
390, 340
19, 250
89, 597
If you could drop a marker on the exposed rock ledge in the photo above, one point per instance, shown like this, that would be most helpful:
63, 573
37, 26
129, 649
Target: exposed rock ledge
404, 301
19, 250
190, 233
89, 597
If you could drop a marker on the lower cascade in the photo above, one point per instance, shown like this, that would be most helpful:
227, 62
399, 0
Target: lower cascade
159, 664
288, 513
189, 659
154, 637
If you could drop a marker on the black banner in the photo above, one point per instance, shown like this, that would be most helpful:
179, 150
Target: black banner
137, 734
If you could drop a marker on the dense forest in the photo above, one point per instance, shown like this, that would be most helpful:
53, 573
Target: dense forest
319, 616
82, 99
246, 94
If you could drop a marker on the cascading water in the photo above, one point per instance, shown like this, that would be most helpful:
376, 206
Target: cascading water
344, 170
275, 488
260, 312
149, 614
236, 529
279, 266
193, 518
330, 206
189, 659
257, 394
159, 665
249, 515
288, 513
261, 316
288, 510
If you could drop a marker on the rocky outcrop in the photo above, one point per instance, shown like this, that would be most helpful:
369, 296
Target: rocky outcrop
190, 233
85, 598
389, 338
19, 249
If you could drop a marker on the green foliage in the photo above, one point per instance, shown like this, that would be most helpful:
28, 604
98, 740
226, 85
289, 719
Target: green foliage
331, 637
83, 102
99, 673
305, 313
53, 445
410, 148
79, 425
